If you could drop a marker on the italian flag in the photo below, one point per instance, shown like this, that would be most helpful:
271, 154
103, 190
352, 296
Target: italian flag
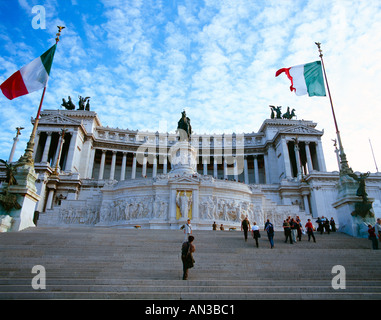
306, 78
32, 77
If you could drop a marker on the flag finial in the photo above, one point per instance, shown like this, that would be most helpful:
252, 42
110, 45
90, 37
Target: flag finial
59, 33
320, 51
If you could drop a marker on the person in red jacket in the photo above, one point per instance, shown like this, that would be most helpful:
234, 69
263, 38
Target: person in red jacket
310, 230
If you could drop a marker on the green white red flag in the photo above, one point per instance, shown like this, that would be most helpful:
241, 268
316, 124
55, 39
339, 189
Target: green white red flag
305, 78
32, 77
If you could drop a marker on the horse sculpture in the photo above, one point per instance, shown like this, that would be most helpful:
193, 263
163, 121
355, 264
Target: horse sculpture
289, 115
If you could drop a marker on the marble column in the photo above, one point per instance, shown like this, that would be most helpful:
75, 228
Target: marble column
113, 162
320, 156
246, 171
235, 169
172, 205
154, 168
225, 169
195, 204
309, 159
205, 163
91, 164
123, 168
286, 159
133, 172
71, 152
298, 163
15, 140
215, 172
256, 171
49, 202
102, 166
144, 169
165, 164
45, 154
267, 168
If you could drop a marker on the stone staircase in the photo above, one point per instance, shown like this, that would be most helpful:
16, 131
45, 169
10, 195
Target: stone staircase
106, 263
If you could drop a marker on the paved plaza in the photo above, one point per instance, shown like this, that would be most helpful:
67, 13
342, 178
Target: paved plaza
105, 263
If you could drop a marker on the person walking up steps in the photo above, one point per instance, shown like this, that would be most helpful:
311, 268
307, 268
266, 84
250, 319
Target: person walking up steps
245, 226
255, 233
270, 232
310, 230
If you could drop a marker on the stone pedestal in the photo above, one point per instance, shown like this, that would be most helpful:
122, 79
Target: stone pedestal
27, 198
349, 221
183, 158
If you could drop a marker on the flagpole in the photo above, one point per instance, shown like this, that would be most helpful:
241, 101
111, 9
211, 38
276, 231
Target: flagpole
27, 158
344, 167
371, 147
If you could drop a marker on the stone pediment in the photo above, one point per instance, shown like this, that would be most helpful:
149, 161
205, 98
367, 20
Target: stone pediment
185, 180
60, 120
302, 130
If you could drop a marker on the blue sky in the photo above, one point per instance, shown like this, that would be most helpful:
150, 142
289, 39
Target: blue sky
143, 62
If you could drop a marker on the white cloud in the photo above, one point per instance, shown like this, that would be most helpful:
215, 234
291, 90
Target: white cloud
147, 60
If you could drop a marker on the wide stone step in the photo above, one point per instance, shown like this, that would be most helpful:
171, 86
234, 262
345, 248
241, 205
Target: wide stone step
102, 263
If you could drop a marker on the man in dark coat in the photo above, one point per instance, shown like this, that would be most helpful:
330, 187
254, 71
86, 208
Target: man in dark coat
187, 256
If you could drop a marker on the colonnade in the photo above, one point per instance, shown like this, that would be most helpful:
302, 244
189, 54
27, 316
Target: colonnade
302, 157
123, 165
47, 148
299, 158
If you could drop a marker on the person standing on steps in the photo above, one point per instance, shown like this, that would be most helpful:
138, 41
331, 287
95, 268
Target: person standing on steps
373, 237
187, 230
187, 250
377, 228
287, 230
245, 226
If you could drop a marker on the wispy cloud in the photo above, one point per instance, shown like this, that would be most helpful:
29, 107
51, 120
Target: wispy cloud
144, 61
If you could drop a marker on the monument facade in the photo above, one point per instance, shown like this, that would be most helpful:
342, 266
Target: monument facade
127, 178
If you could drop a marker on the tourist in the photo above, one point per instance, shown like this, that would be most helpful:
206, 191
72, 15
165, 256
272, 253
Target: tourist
255, 233
222, 227
294, 231
322, 225
214, 226
332, 223
319, 222
287, 230
187, 230
245, 226
377, 228
299, 228
327, 226
310, 230
270, 232
187, 256
373, 236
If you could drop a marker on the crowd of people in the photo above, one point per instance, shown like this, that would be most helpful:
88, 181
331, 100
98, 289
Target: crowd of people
292, 227
293, 231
